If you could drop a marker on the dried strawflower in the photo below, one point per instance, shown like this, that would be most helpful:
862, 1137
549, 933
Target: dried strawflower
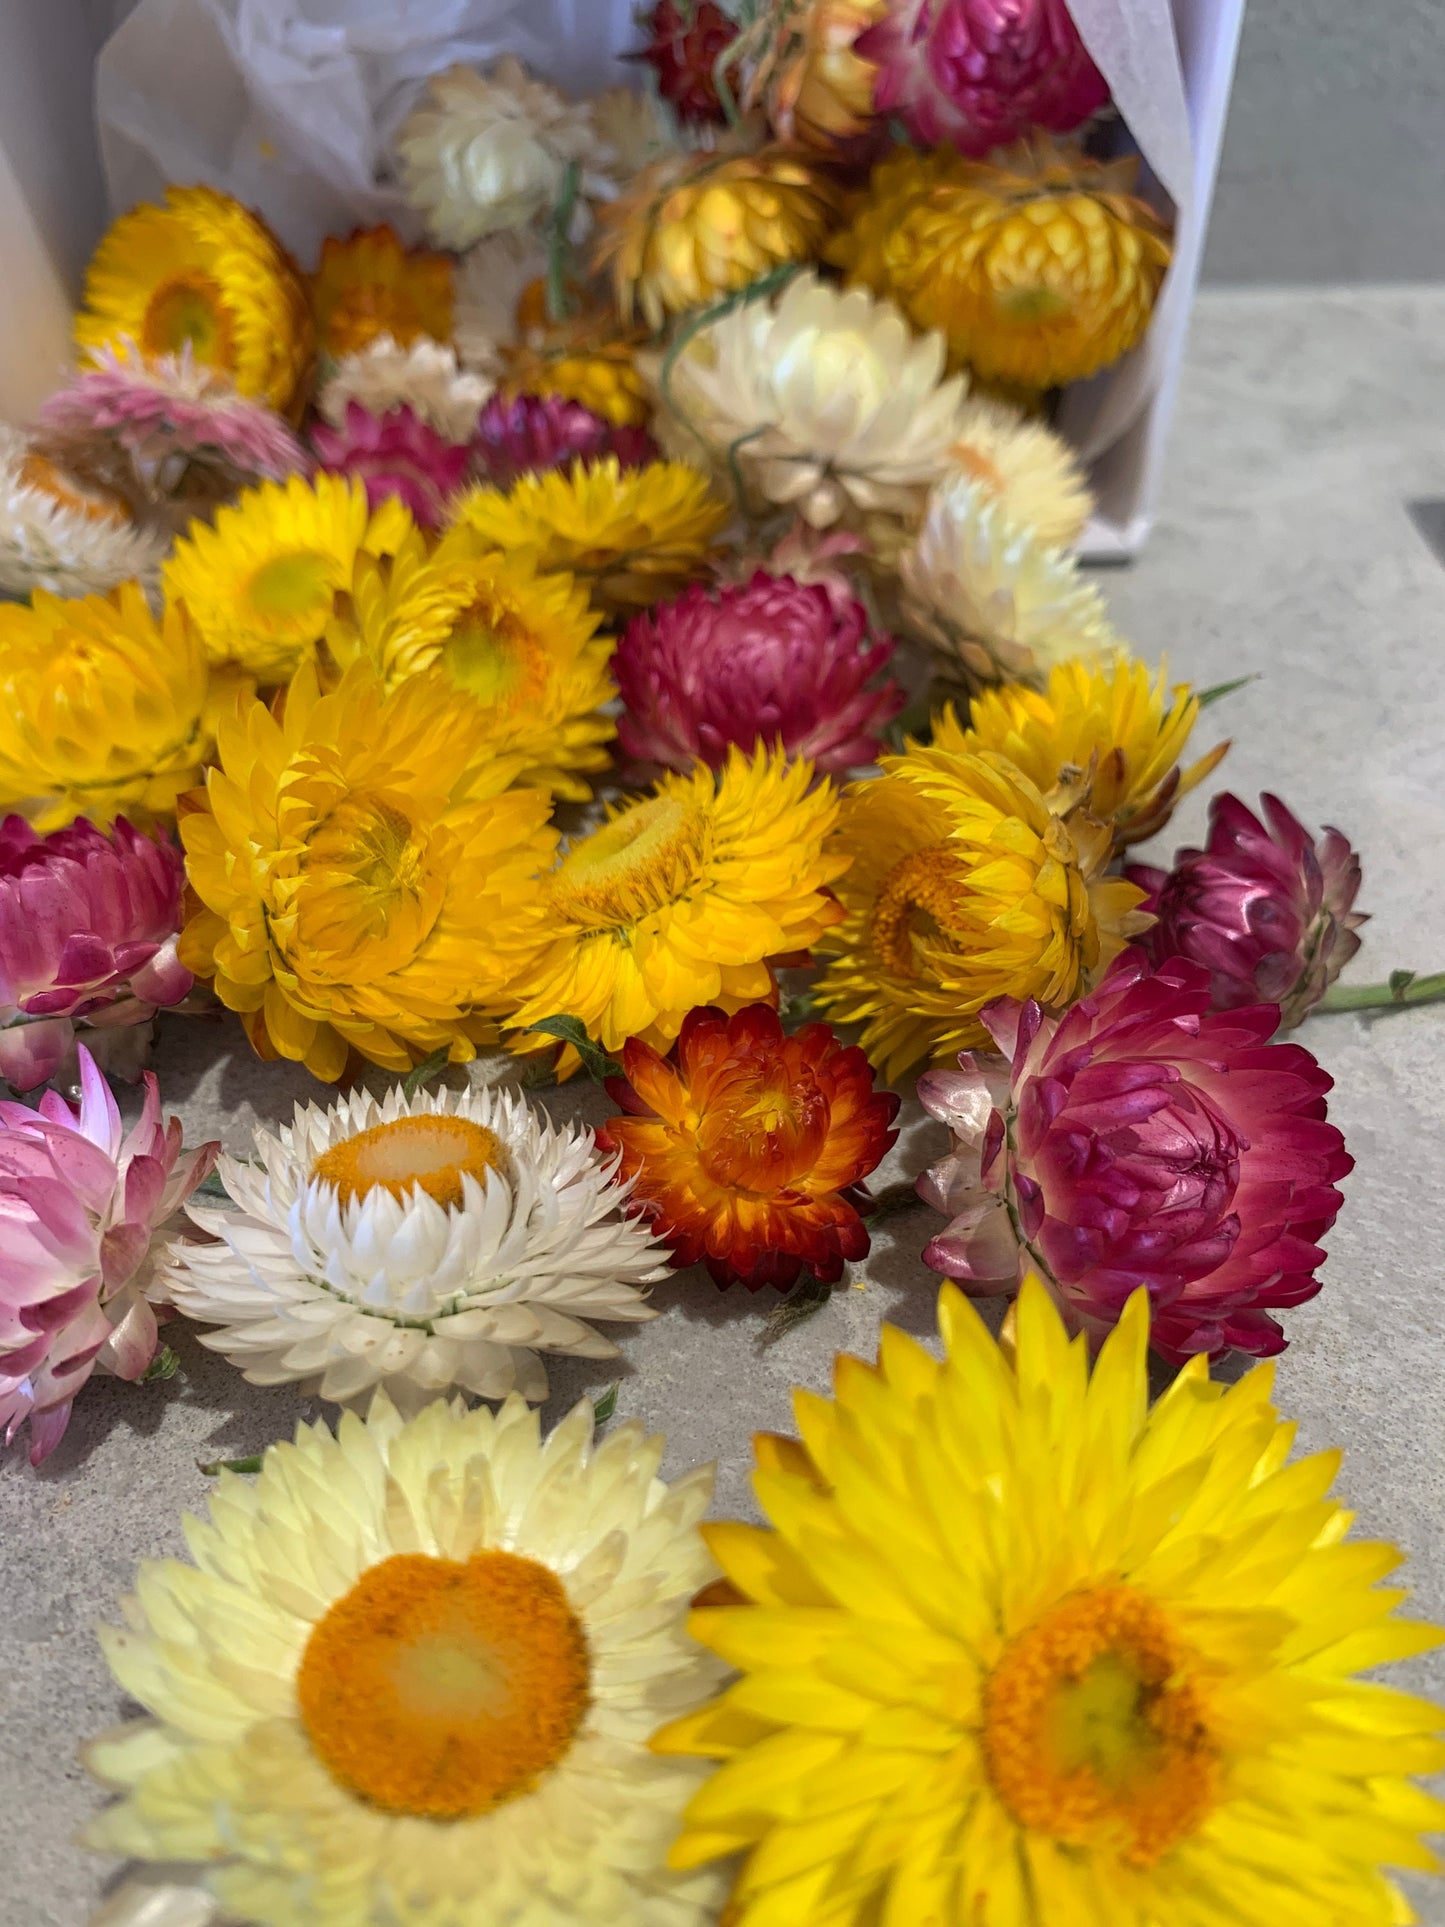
1020, 463
425, 377
396, 455
63, 535
369, 285
685, 39
1140, 1140
587, 360
530, 433
808, 71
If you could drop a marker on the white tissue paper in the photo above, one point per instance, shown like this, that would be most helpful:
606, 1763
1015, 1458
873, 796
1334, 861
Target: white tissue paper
291, 105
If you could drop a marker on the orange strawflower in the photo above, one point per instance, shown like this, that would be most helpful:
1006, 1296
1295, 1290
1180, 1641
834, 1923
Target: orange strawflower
370, 285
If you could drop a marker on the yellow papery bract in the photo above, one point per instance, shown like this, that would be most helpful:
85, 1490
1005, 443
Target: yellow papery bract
1023, 1652
201, 273
366, 885
963, 886
102, 708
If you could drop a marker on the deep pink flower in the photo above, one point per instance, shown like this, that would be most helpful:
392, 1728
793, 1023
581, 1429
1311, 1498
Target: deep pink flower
88, 926
771, 660
395, 454
81, 1204
1141, 1139
978, 74
1268, 912
531, 433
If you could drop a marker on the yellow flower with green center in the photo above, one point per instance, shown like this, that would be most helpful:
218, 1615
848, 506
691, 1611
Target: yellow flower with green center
522, 647
102, 708
1019, 1651
200, 274
964, 885
683, 895
365, 883
631, 535
262, 582
1101, 722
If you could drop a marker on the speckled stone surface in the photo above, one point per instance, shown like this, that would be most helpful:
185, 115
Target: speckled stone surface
1286, 546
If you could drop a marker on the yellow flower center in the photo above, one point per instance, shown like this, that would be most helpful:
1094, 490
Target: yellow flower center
495, 659
921, 900
188, 312
371, 879
293, 589
37, 471
442, 1688
1095, 1730
646, 858
433, 1153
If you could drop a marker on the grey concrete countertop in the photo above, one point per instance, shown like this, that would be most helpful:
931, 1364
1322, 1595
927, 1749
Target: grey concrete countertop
1309, 424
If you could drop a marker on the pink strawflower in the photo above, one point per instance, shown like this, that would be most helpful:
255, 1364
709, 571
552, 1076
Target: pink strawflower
978, 74
395, 454
88, 926
1268, 912
531, 433
166, 431
1140, 1139
81, 1205
771, 660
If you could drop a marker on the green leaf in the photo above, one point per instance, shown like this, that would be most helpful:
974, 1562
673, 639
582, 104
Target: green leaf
803, 1302
799, 1007
425, 1073
213, 1468
165, 1364
1220, 690
604, 1407
573, 1031
1400, 982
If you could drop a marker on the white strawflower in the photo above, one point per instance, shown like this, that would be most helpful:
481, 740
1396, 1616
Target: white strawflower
826, 401
1029, 470
489, 151
422, 1244
410, 1680
996, 603
425, 377
60, 535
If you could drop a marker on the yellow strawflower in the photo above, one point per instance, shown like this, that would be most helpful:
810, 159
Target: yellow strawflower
683, 895
261, 583
1040, 267
101, 708
520, 648
962, 886
1103, 722
585, 361
816, 88
200, 273
1019, 1651
366, 885
631, 535
694, 226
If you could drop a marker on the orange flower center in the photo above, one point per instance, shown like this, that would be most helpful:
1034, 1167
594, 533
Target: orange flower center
648, 856
433, 1153
920, 902
37, 471
188, 311
977, 466
442, 1688
1095, 1730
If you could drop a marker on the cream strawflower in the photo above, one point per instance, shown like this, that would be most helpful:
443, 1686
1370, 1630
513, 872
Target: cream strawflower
827, 402
1024, 466
411, 1679
58, 534
490, 151
996, 603
490, 281
635, 129
424, 1244
425, 377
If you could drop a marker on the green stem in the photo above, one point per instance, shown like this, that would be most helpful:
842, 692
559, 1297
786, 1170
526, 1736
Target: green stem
1403, 989
559, 244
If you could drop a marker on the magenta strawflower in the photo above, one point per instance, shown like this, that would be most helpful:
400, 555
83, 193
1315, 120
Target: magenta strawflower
531, 433
81, 1207
977, 74
1268, 911
165, 431
771, 660
395, 454
88, 925
1141, 1139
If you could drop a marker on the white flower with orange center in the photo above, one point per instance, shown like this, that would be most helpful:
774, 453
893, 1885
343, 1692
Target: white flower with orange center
412, 1678
424, 1245
63, 535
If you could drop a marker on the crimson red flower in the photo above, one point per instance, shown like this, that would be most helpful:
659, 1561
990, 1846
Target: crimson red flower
1141, 1139
747, 1147
532, 433
685, 41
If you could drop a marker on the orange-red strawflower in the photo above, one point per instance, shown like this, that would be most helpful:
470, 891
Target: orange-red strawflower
748, 1147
